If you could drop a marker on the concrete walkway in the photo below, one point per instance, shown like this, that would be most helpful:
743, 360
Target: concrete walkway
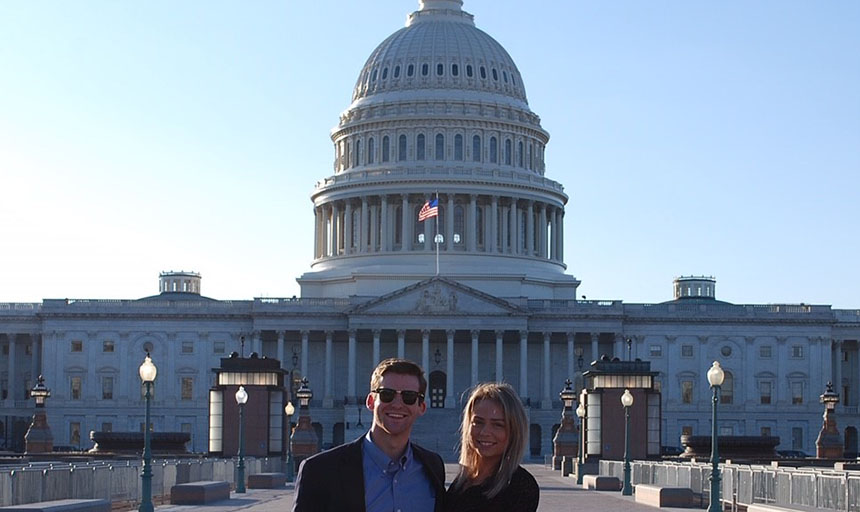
557, 494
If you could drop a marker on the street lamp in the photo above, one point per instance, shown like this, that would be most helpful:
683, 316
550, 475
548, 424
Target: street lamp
241, 399
627, 402
580, 411
715, 379
147, 372
289, 410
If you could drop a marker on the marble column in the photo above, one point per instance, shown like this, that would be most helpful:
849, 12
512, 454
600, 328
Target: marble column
325, 239
305, 353
406, 220
546, 401
450, 400
336, 227
515, 227
553, 242
12, 379
35, 363
491, 244
524, 364
364, 226
504, 239
328, 399
530, 229
449, 226
351, 363
475, 334
595, 347
543, 231
317, 216
384, 228
499, 356
347, 228
401, 343
280, 348
837, 377
561, 234
376, 334
425, 349
257, 343
472, 229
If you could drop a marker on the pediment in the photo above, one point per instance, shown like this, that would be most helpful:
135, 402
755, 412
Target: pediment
437, 296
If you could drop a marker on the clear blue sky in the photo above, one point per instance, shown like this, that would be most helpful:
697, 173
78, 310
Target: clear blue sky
693, 137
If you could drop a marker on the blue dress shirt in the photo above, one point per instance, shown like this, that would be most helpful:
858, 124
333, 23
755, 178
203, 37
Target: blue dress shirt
395, 485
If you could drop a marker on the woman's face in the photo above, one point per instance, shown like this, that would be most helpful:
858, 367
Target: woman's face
489, 431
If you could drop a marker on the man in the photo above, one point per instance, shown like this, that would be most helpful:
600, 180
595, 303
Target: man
381, 471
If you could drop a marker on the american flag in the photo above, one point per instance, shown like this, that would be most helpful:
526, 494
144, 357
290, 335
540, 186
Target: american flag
430, 209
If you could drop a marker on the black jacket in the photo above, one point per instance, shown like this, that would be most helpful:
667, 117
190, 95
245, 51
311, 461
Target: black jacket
334, 479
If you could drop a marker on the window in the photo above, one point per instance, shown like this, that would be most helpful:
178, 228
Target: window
797, 351
765, 392
796, 438
385, 73
508, 151
483, 73
107, 388
28, 350
107, 427
458, 147
469, 70
726, 350
505, 76
373, 76
371, 151
219, 347
765, 351
397, 71
77, 346
75, 388
495, 75
686, 350
107, 346
419, 147
476, 148
357, 154
385, 149
455, 70
440, 69
410, 70
440, 146
765, 431
187, 347
425, 69
686, 391
656, 350
494, 150
75, 433
797, 393
187, 388
520, 154
401, 148
727, 390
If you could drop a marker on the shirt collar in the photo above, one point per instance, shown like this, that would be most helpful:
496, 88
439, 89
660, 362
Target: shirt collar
382, 460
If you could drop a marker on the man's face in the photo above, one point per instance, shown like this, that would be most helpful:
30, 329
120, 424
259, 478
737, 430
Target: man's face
395, 418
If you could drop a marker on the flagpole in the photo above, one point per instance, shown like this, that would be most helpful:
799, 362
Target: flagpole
436, 238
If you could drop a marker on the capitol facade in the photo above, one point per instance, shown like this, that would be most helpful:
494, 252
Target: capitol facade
478, 292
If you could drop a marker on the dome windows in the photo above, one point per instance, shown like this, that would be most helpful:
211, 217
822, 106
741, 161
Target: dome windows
455, 70
440, 69
371, 151
397, 71
419, 147
386, 149
440, 146
469, 71
483, 73
401, 148
373, 76
476, 148
458, 147
508, 151
495, 75
384, 73
504, 76
410, 70
425, 69
494, 151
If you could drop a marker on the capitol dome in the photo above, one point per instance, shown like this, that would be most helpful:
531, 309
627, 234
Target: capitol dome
439, 110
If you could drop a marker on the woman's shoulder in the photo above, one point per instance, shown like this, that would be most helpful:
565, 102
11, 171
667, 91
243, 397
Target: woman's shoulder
522, 479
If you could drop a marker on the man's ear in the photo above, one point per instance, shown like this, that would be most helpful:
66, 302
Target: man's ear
422, 407
368, 402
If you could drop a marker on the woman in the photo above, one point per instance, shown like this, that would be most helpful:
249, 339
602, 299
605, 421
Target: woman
492, 444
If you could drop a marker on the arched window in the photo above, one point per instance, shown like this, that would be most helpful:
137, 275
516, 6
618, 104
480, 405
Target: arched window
440, 146
476, 148
401, 148
459, 225
520, 154
494, 150
727, 391
357, 153
410, 70
531, 157
386, 150
397, 71
508, 151
419, 147
371, 151
385, 73
440, 69
455, 70
483, 73
469, 72
425, 69
495, 75
458, 147
346, 160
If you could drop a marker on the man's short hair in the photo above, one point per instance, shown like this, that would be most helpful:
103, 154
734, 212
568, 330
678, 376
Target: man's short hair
399, 366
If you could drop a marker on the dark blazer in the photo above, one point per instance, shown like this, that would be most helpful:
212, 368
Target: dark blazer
334, 479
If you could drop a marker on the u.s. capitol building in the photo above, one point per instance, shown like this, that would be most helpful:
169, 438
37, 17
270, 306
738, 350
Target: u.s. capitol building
479, 292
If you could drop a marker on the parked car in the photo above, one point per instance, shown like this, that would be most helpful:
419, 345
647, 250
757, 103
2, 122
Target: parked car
671, 451
792, 454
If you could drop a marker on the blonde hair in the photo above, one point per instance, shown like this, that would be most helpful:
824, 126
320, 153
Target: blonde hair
516, 424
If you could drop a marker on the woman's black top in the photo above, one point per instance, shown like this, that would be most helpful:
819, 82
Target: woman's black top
521, 495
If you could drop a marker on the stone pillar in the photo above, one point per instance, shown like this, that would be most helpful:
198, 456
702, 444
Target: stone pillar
34, 357
336, 226
595, 346
546, 401
475, 334
12, 380
324, 234
569, 336
450, 400
280, 347
406, 220
425, 349
561, 234
401, 343
515, 229
347, 228
317, 216
499, 356
350, 372
618, 347
543, 231
472, 229
524, 364
449, 227
376, 334
530, 229
553, 243
492, 246
364, 226
384, 228
305, 353
256, 343
328, 399
837, 367
428, 229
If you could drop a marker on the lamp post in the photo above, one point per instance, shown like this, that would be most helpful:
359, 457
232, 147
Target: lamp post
715, 379
147, 372
565, 437
580, 411
241, 399
829, 443
289, 410
627, 402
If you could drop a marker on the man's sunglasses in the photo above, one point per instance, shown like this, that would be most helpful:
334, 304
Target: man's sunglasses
386, 395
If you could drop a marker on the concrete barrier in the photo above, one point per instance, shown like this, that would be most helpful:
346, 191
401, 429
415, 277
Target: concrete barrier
63, 506
601, 483
199, 493
658, 496
756, 507
267, 480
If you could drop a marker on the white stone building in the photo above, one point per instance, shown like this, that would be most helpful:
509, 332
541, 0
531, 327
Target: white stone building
439, 110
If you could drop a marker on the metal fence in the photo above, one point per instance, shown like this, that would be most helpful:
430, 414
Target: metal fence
818, 488
116, 481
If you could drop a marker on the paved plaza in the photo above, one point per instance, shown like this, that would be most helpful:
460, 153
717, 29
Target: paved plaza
558, 494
